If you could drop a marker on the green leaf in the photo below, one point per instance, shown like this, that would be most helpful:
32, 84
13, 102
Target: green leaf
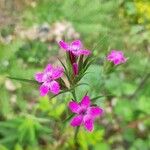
85, 139
88, 64
9, 139
3, 147
44, 104
62, 83
65, 70
18, 147
68, 118
80, 63
24, 80
102, 146
95, 98
87, 60
126, 109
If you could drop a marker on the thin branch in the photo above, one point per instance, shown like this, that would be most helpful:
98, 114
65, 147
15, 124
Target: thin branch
76, 138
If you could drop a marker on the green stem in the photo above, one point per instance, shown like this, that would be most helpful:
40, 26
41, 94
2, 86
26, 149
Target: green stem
74, 95
76, 138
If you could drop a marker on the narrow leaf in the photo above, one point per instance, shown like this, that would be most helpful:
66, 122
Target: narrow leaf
80, 63
23, 80
95, 98
68, 118
66, 71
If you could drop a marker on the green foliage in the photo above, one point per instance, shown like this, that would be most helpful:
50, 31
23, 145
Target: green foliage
33, 123
7, 30
90, 140
52, 107
102, 145
30, 52
125, 109
3, 147
139, 144
25, 130
143, 105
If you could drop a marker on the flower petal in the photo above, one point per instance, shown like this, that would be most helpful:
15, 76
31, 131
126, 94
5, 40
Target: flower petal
110, 58
72, 57
64, 45
76, 53
57, 72
75, 68
88, 123
76, 45
116, 61
74, 106
48, 68
43, 90
85, 102
95, 111
39, 77
84, 52
76, 121
54, 87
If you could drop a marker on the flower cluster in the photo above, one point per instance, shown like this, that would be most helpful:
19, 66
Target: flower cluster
50, 80
75, 49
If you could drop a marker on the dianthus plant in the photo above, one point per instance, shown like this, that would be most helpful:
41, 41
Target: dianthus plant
78, 59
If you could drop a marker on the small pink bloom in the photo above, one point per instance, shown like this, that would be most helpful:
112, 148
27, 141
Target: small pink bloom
47, 79
75, 68
85, 113
117, 57
72, 57
75, 47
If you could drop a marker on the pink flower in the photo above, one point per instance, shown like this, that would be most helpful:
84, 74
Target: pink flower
75, 68
75, 47
47, 79
117, 57
85, 114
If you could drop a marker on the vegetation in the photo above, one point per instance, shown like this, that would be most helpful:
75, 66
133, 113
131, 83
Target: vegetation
28, 41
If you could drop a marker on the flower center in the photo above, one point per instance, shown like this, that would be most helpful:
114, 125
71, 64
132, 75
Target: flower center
117, 56
48, 77
74, 48
83, 111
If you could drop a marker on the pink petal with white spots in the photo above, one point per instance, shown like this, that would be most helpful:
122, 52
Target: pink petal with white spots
57, 73
95, 111
74, 107
76, 53
84, 52
76, 45
88, 123
64, 45
77, 120
54, 87
39, 77
44, 90
85, 102
48, 68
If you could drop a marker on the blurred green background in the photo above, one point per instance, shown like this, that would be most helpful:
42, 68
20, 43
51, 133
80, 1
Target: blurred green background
29, 33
